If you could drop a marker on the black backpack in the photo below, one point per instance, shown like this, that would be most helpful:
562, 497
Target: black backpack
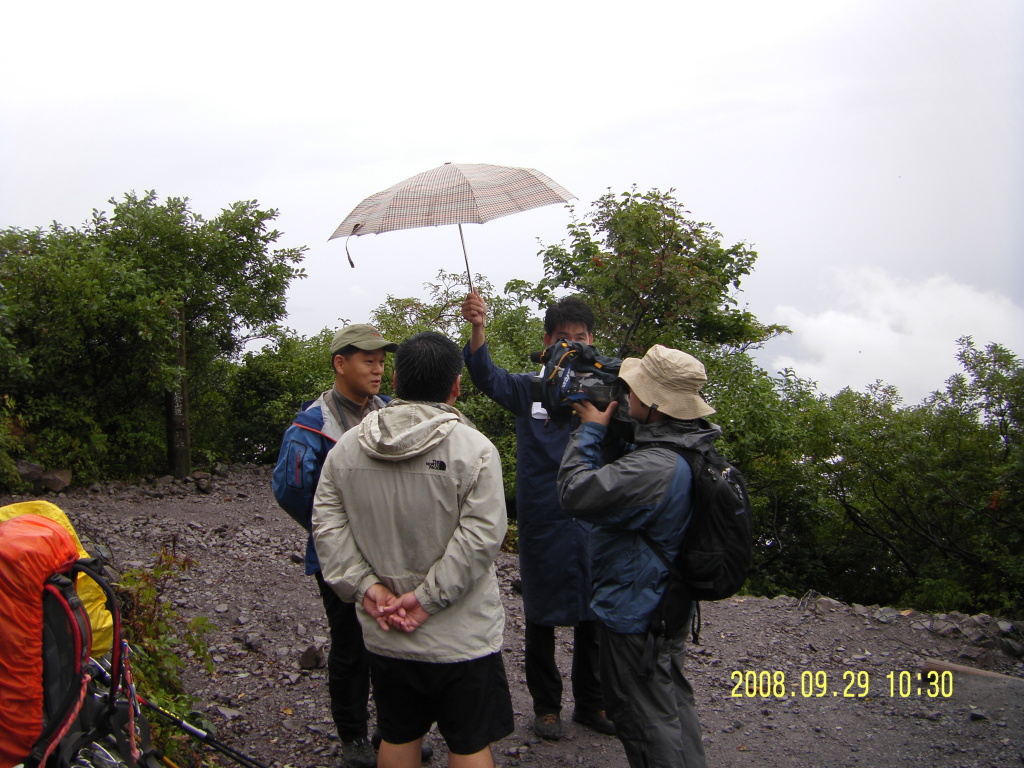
110, 726
715, 556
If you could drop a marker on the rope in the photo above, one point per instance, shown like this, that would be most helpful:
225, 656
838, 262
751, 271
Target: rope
66, 726
133, 704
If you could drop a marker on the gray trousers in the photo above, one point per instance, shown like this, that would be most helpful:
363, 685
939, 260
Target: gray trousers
655, 717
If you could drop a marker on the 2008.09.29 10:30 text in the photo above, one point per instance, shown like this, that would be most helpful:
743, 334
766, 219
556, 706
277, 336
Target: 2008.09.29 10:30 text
775, 684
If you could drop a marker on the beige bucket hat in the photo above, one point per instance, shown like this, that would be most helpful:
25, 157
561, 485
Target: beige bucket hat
669, 381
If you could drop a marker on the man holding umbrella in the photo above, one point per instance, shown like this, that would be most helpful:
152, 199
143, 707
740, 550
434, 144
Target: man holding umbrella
553, 557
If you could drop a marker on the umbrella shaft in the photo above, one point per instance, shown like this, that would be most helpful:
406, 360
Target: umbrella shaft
469, 275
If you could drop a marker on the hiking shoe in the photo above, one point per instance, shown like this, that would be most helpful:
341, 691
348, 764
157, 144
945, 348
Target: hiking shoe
426, 749
358, 753
596, 720
548, 726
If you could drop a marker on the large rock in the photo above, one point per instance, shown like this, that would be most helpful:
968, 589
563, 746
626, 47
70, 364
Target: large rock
56, 479
311, 658
28, 471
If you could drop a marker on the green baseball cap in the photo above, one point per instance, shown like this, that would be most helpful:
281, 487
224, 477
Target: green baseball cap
364, 337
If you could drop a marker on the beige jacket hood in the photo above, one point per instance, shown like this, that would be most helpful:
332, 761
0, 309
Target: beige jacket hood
405, 429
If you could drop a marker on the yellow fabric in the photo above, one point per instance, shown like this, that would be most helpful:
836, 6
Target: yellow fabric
89, 591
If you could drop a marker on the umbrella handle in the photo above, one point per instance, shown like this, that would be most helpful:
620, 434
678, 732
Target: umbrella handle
469, 276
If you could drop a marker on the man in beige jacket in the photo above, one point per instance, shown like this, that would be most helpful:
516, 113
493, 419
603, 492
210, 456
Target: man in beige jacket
408, 518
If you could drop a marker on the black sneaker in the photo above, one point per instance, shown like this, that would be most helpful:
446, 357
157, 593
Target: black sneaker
597, 721
548, 726
426, 748
358, 753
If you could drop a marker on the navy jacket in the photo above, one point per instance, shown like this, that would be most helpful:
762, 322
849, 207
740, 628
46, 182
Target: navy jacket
553, 560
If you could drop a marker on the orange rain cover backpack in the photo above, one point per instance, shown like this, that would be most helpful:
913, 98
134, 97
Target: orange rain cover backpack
56, 701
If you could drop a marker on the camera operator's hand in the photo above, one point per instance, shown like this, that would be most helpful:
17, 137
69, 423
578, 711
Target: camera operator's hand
587, 411
474, 312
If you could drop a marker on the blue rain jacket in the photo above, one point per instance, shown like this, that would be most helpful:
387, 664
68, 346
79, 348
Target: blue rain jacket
648, 490
304, 450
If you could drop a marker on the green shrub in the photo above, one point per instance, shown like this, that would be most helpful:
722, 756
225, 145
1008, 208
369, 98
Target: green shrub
511, 542
159, 638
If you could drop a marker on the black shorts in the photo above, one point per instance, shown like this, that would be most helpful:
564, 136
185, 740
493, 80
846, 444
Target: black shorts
469, 701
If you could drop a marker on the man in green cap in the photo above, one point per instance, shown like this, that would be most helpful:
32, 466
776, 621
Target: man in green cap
357, 357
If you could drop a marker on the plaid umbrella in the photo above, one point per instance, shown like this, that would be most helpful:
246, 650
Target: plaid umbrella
452, 194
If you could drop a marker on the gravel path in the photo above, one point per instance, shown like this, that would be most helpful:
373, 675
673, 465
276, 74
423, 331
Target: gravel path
777, 681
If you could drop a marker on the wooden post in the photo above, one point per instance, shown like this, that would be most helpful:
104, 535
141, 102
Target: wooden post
179, 444
937, 665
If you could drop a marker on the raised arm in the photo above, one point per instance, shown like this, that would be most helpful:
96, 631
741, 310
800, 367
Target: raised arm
474, 312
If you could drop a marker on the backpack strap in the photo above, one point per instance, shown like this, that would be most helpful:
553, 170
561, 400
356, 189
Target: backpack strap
695, 460
92, 568
332, 405
121, 712
61, 588
674, 572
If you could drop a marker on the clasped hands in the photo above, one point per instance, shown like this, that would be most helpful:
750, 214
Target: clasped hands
403, 612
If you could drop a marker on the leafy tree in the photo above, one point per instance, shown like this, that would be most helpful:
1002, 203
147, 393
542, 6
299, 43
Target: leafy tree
927, 527
652, 275
98, 317
93, 341
263, 392
10, 442
228, 287
764, 421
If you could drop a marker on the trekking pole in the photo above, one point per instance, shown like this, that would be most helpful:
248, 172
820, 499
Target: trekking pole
203, 736
103, 673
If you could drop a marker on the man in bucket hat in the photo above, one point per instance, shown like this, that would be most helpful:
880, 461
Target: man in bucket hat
357, 358
648, 490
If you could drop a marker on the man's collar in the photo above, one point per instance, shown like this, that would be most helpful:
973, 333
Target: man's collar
350, 404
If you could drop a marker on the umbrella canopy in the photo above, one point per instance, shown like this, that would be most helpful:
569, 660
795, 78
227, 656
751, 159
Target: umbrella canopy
453, 194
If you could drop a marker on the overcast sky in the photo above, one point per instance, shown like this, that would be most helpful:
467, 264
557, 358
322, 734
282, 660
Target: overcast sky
870, 152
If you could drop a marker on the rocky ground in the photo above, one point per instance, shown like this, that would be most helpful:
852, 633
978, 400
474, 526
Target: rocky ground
778, 681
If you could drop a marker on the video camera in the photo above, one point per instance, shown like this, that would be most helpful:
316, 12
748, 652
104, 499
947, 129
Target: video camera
574, 371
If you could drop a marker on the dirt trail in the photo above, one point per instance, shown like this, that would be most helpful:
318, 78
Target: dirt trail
756, 654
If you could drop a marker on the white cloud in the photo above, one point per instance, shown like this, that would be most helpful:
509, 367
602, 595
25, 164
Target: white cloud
864, 133
885, 328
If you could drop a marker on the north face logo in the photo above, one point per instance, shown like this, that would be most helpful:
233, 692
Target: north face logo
437, 464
